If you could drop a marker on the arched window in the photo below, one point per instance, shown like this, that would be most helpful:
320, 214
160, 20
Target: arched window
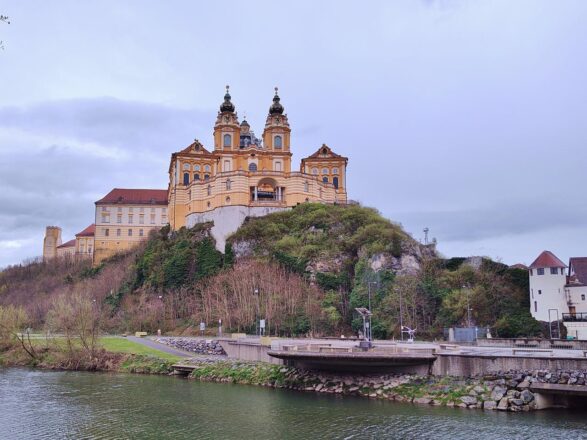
186, 166
196, 176
186, 178
209, 190
227, 140
335, 182
325, 179
196, 167
252, 166
206, 176
334, 170
314, 170
324, 170
207, 168
277, 142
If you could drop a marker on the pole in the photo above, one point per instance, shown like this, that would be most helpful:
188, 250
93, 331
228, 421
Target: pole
468, 311
401, 320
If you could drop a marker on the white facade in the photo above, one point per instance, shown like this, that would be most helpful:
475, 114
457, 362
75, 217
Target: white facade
547, 293
227, 219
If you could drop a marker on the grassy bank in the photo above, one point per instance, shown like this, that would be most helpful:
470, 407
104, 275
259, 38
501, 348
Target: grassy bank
111, 354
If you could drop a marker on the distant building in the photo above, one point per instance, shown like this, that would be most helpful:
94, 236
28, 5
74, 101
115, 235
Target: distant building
557, 294
82, 246
125, 217
241, 176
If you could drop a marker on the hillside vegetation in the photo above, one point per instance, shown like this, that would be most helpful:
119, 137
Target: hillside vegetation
304, 270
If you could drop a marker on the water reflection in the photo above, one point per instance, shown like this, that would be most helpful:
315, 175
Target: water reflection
51, 405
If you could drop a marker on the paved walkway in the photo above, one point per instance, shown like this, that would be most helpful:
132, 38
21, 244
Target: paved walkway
161, 347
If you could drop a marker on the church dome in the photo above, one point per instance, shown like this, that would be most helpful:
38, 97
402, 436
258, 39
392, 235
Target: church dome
227, 105
276, 108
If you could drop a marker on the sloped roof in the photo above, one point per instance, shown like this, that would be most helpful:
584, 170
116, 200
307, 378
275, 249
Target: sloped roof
324, 152
135, 196
90, 231
578, 270
194, 148
547, 259
70, 243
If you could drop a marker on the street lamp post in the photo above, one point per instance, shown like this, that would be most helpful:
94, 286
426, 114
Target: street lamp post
256, 292
369, 330
401, 317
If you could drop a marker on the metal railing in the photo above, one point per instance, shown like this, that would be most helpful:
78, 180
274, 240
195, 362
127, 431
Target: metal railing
574, 317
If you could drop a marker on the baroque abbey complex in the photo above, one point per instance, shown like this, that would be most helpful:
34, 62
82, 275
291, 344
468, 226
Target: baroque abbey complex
240, 176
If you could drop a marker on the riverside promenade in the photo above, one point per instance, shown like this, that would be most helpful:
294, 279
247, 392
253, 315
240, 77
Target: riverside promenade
436, 358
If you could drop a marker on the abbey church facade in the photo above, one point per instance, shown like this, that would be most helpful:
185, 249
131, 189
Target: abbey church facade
239, 176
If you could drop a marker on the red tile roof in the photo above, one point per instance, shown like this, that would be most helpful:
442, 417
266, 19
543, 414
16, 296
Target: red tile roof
135, 196
70, 243
90, 231
578, 270
547, 259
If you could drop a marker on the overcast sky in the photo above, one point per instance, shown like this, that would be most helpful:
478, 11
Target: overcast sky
468, 117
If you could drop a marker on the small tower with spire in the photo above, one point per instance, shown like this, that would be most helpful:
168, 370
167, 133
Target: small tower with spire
227, 128
277, 132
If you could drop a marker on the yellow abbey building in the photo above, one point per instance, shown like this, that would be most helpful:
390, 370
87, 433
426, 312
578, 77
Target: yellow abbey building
243, 176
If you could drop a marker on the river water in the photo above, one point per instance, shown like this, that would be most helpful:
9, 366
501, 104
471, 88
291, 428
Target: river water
38, 404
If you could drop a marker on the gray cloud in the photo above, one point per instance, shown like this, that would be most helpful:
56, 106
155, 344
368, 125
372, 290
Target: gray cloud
466, 117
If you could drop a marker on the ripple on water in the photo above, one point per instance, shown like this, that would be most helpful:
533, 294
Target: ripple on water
74, 405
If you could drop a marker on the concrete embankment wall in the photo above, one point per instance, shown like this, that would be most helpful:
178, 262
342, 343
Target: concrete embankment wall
534, 343
465, 365
446, 364
248, 351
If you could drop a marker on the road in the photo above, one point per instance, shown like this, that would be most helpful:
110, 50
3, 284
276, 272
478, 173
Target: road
161, 347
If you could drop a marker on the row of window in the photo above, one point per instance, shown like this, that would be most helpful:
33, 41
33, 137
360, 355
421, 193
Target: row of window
324, 171
277, 141
106, 219
553, 271
186, 177
187, 166
131, 209
119, 232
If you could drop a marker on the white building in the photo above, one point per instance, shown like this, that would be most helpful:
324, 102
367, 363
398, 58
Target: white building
556, 295
547, 287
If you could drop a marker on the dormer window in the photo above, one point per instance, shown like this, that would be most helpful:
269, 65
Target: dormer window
278, 142
227, 140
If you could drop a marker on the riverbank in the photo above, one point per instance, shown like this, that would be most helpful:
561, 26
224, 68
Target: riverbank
502, 391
